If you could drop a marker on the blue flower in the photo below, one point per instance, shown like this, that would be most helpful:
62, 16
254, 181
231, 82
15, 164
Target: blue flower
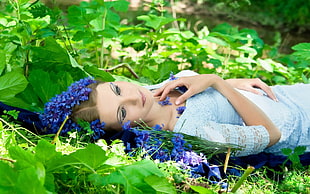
181, 109
97, 127
181, 89
172, 77
126, 125
59, 108
165, 102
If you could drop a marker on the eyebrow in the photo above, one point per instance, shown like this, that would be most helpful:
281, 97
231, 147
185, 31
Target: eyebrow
118, 109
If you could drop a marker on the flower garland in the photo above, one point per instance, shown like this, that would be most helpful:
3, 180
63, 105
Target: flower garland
59, 108
165, 145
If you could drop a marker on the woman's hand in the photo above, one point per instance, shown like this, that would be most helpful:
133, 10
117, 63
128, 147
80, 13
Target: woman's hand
251, 114
194, 85
251, 85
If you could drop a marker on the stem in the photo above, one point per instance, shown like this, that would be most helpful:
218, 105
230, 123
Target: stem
60, 128
242, 179
226, 160
174, 15
102, 40
7, 159
127, 66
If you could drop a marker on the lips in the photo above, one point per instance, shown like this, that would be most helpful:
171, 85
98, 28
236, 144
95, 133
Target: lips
143, 98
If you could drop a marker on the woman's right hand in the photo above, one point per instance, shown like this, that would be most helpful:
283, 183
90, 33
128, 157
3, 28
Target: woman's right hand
194, 85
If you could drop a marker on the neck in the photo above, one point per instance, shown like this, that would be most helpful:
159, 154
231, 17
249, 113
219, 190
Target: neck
166, 115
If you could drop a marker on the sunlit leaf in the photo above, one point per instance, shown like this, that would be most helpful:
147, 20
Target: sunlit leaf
11, 84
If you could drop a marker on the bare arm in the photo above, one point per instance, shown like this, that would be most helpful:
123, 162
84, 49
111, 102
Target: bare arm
249, 112
251, 85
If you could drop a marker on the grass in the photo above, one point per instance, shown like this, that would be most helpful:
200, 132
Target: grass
263, 180
269, 181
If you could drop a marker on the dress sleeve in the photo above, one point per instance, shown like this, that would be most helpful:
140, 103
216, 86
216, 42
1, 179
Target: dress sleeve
252, 139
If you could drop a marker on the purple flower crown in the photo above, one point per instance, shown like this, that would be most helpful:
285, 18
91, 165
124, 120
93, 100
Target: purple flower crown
58, 110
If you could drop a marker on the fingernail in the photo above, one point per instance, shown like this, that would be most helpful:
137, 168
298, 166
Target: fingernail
177, 102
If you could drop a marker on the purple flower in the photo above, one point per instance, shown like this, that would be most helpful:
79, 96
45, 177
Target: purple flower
60, 107
165, 102
181, 109
181, 89
172, 77
97, 127
158, 127
126, 125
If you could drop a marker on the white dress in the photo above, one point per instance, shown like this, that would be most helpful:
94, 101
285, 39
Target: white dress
209, 115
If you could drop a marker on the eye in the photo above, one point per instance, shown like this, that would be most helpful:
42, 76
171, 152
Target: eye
121, 114
115, 89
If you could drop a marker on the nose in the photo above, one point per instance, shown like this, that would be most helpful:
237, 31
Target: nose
130, 99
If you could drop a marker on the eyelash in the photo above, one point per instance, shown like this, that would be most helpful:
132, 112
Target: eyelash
122, 114
116, 89
122, 110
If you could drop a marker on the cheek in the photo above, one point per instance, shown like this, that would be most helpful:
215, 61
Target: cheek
133, 114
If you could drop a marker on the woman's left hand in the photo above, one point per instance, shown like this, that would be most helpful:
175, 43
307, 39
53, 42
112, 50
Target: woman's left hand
251, 85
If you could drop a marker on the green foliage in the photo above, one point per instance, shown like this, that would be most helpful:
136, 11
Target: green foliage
276, 13
44, 50
35, 172
42, 55
293, 156
147, 178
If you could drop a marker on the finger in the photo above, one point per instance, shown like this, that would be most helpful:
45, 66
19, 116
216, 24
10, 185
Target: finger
170, 87
271, 94
255, 91
167, 89
158, 91
184, 97
267, 89
161, 91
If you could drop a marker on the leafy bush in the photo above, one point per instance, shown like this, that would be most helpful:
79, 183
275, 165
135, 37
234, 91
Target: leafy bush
45, 50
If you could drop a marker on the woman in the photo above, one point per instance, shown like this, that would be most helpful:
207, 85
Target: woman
214, 110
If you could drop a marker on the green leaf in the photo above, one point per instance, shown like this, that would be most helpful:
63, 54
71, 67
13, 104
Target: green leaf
97, 73
216, 40
28, 182
24, 159
302, 47
299, 150
43, 85
27, 99
8, 177
216, 63
202, 190
45, 151
159, 184
294, 158
11, 84
286, 151
2, 61
91, 157
131, 176
155, 22
266, 64
248, 50
166, 68
120, 5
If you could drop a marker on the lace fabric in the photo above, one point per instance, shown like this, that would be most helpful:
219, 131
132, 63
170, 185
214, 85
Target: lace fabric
209, 115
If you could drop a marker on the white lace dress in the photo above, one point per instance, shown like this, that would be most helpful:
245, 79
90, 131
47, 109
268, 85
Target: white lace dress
210, 116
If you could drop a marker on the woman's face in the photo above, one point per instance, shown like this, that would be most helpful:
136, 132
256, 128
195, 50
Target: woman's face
119, 102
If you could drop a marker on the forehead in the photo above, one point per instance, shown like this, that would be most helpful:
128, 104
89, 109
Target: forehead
107, 105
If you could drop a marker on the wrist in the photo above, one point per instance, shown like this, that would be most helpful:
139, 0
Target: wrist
217, 82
